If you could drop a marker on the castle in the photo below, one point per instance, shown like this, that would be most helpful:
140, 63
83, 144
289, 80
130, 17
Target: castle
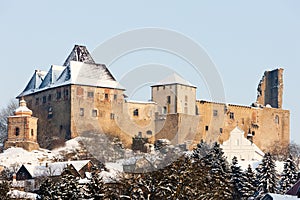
82, 96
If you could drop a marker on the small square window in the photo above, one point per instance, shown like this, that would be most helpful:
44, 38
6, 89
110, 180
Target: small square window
106, 96
95, 113
81, 112
215, 113
90, 94
136, 112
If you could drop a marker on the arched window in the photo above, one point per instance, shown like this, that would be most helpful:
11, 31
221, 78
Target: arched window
17, 131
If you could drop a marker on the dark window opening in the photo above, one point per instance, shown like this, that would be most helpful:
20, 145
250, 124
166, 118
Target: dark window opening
44, 99
221, 130
206, 128
32, 132
36, 101
215, 113
49, 97
231, 115
164, 110
253, 133
95, 113
136, 112
90, 94
106, 96
112, 116
50, 112
149, 132
58, 94
115, 97
17, 131
168, 99
81, 112
276, 119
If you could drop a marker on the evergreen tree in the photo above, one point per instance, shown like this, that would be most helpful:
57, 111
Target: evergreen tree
218, 177
46, 190
236, 179
94, 189
68, 187
249, 183
288, 176
4, 189
266, 175
201, 150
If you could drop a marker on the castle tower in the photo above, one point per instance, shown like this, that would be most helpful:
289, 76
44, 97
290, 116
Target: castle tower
22, 129
270, 89
174, 95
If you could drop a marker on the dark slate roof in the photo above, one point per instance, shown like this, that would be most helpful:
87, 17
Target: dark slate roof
78, 69
80, 54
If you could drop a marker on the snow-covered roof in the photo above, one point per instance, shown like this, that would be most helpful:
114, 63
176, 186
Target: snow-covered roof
78, 69
280, 196
174, 79
16, 194
54, 169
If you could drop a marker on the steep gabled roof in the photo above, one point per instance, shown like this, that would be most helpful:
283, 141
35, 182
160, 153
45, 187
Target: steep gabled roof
80, 54
35, 81
79, 73
52, 75
174, 79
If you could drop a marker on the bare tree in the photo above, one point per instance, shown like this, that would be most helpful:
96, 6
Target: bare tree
295, 153
6, 111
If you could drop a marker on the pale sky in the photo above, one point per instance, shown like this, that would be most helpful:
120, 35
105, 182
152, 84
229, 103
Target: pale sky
242, 39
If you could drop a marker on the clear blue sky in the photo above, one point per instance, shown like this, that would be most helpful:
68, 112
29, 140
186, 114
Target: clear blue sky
243, 40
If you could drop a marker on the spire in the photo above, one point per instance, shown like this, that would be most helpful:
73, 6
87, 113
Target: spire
80, 54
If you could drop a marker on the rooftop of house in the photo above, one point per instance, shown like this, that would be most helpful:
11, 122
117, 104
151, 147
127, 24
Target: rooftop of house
174, 79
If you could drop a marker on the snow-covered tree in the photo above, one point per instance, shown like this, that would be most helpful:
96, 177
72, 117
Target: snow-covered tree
4, 189
201, 150
95, 188
249, 183
236, 179
288, 176
267, 175
45, 191
218, 178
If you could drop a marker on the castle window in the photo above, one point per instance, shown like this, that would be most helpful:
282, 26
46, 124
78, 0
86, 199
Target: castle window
81, 111
17, 131
32, 132
149, 132
168, 99
44, 99
206, 128
112, 116
164, 87
36, 101
90, 94
50, 113
276, 119
221, 130
231, 115
106, 96
215, 113
164, 110
49, 97
58, 94
136, 112
157, 88
253, 133
94, 113
115, 97
186, 98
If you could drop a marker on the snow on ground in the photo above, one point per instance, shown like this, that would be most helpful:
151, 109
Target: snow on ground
16, 194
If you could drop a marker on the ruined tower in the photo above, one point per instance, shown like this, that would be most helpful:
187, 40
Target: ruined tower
270, 89
22, 129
